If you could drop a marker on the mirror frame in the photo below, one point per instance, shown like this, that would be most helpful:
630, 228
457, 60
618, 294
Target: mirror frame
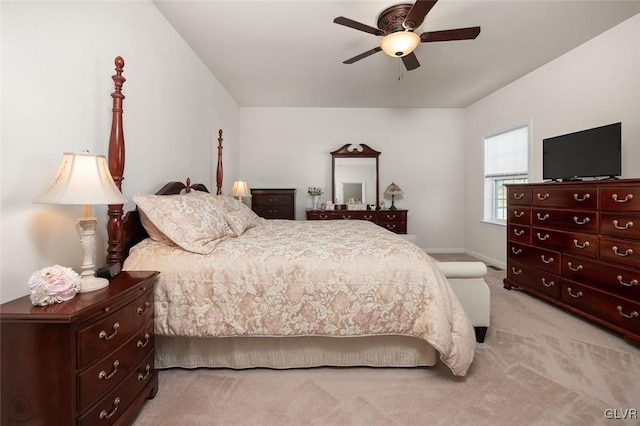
354, 151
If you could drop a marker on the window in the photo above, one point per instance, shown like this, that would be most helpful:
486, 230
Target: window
506, 160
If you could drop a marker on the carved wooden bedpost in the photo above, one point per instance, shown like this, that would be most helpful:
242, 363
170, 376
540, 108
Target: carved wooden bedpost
116, 166
219, 168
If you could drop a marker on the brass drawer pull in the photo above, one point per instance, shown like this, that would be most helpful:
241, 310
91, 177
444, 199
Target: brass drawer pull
628, 197
545, 217
346, 216
142, 309
104, 414
106, 376
516, 272
543, 237
583, 198
576, 269
581, 245
575, 296
273, 200
518, 232
629, 284
103, 334
542, 197
627, 226
628, 252
391, 226
550, 260
367, 217
142, 344
515, 250
145, 376
391, 216
519, 196
581, 222
549, 284
518, 214
633, 314
323, 216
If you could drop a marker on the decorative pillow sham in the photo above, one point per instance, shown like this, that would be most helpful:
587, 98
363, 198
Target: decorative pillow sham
239, 221
153, 231
193, 223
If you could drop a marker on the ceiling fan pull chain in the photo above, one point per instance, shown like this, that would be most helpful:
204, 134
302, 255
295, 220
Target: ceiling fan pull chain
400, 71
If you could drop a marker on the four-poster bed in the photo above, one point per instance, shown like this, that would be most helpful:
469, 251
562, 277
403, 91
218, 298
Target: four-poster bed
281, 294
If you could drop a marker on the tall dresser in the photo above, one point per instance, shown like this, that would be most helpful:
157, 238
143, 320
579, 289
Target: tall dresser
274, 203
577, 245
87, 361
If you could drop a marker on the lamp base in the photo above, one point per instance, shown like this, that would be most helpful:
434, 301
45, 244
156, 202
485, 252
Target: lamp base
92, 283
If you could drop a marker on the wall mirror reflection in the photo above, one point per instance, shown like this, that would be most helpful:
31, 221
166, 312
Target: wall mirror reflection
355, 175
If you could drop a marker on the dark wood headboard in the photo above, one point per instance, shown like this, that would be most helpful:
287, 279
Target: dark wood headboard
126, 230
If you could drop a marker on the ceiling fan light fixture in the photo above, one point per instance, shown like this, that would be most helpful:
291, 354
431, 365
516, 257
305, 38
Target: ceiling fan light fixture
400, 43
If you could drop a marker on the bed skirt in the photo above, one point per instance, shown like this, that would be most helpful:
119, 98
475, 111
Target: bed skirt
292, 352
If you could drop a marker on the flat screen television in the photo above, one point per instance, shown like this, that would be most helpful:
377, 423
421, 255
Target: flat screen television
588, 153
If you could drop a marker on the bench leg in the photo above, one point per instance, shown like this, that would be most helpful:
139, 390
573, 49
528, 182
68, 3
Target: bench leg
481, 332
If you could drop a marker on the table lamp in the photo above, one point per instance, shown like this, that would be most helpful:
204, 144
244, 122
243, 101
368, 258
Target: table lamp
240, 189
84, 179
392, 190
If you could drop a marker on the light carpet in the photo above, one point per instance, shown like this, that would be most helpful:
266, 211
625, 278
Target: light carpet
539, 365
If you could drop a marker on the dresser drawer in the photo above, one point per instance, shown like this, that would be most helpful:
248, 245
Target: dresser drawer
620, 225
520, 233
95, 381
615, 310
534, 279
356, 215
620, 198
547, 260
580, 221
519, 196
612, 278
107, 411
565, 198
321, 215
519, 214
571, 242
624, 252
113, 330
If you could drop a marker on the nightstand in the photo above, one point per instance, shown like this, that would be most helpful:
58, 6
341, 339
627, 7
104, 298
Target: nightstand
274, 203
86, 361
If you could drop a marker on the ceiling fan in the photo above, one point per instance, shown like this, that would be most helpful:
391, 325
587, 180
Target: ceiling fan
396, 26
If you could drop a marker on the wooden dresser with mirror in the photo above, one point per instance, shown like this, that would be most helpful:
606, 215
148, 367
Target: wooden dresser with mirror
355, 182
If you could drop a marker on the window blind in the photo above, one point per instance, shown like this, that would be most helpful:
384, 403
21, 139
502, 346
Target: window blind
506, 154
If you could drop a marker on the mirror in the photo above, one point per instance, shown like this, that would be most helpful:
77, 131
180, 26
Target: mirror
355, 175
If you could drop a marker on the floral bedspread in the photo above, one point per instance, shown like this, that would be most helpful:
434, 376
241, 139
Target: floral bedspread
308, 278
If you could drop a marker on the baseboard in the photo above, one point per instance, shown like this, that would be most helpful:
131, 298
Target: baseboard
487, 260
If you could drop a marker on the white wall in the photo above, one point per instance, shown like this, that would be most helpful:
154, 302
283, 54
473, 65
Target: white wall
57, 60
595, 84
422, 152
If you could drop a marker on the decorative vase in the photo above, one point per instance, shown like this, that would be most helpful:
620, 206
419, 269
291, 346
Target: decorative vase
315, 200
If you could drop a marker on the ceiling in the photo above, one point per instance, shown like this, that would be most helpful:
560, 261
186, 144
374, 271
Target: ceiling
289, 53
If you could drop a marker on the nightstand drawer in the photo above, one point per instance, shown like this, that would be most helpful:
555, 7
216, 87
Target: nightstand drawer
108, 333
95, 381
107, 411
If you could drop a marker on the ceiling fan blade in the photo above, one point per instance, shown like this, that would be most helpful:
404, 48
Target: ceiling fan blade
411, 61
341, 20
416, 15
447, 35
363, 55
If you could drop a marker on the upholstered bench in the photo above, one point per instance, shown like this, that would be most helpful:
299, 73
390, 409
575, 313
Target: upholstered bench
467, 282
